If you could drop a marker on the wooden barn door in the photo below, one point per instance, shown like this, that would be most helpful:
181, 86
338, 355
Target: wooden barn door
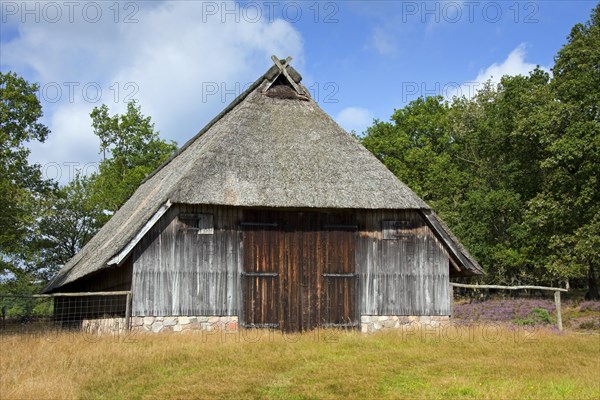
299, 272
340, 280
260, 279
301, 285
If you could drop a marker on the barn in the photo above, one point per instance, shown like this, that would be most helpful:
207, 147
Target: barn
272, 216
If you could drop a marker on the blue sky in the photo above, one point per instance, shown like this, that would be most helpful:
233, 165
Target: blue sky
184, 61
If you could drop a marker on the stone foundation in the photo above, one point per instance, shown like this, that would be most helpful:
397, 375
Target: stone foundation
181, 324
374, 323
369, 323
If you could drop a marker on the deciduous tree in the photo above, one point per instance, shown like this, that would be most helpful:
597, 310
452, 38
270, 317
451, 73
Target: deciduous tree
131, 149
21, 183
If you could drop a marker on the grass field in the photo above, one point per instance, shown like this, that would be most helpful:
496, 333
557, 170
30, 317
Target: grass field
485, 361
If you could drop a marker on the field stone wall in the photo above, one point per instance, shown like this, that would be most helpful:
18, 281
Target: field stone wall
369, 323
181, 324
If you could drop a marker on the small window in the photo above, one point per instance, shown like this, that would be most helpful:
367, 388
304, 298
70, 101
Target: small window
202, 224
398, 230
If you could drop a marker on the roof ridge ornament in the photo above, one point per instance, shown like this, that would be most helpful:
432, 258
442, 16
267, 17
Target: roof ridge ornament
282, 65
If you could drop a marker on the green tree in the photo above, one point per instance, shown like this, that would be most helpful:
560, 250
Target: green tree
131, 150
567, 209
70, 220
498, 148
474, 163
21, 184
515, 169
418, 147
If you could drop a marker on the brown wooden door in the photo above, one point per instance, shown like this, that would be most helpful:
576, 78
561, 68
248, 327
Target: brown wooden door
299, 272
302, 271
340, 281
260, 279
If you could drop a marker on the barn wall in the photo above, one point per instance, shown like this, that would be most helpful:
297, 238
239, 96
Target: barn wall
407, 275
184, 272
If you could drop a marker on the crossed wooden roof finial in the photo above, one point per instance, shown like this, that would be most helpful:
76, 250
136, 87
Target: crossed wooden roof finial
283, 68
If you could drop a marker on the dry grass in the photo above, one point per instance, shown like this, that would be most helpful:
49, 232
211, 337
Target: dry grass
482, 363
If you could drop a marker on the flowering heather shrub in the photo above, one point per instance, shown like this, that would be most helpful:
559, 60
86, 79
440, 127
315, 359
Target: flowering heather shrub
586, 323
590, 306
501, 310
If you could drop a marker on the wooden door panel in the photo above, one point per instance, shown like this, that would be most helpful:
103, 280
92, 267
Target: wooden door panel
260, 279
339, 300
340, 281
261, 298
299, 273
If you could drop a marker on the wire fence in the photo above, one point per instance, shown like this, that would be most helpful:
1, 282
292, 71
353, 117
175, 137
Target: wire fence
96, 312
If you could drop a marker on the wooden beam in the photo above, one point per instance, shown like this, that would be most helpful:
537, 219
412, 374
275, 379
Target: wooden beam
451, 295
456, 267
555, 290
463, 285
445, 238
76, 294
283, 70
128, 310
122, 255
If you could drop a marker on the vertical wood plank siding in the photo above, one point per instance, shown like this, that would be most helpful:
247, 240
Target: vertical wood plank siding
407, 276
181, 272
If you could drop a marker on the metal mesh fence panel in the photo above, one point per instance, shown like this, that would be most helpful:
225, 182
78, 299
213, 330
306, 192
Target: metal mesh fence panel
30, 314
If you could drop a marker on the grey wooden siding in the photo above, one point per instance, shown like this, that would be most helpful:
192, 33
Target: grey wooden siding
404, 276
180, 271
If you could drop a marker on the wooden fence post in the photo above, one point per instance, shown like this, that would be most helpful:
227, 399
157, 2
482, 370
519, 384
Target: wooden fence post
451, 295
558, 313
127, 310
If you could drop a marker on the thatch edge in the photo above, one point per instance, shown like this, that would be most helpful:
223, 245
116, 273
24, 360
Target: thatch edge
457, 249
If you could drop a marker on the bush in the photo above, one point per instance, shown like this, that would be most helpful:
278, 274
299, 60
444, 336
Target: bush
537, 316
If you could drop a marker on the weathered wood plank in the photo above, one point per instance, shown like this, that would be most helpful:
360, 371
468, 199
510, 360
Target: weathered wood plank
406, 274
186, 272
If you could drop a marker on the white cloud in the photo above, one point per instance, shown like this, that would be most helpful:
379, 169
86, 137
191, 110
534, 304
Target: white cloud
382, 41
173, 58
356, 119
513, 65
70, 146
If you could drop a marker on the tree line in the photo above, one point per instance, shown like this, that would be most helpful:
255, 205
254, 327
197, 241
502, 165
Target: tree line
514, 171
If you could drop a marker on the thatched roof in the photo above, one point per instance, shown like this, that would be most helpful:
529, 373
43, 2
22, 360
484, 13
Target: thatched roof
272, 146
